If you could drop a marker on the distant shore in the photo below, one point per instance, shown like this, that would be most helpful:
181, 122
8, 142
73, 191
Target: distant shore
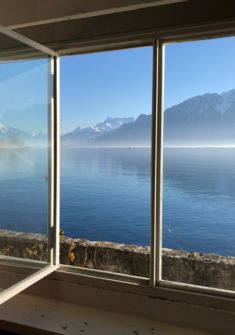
5, 147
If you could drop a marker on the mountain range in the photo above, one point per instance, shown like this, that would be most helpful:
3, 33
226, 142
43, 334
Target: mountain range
12, 137
207, 119
90, 135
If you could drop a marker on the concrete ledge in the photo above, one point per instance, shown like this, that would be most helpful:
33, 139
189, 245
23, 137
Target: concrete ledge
194, 268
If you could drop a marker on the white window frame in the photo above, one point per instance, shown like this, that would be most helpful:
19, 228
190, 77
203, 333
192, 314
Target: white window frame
153, 286
154, 279
53, 190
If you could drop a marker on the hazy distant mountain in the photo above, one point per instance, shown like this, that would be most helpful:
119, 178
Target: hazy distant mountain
114, 123
207, 119
12, 137
130, 134
87, 136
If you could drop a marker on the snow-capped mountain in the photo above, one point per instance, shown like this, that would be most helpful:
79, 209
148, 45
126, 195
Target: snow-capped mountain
12, 137
134, 133
85, 136
113, 123
207, 119
80, 136
3, 129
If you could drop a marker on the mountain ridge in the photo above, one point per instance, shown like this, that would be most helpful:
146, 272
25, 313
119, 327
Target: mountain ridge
203, 120
87, 135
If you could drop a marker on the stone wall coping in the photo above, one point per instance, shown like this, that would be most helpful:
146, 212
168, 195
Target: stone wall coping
197, 256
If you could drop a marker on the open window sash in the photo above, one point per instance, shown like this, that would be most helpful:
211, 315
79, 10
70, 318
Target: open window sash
29, 157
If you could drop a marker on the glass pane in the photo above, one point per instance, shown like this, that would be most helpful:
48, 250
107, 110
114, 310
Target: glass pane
199, 163
25, 94
105, 160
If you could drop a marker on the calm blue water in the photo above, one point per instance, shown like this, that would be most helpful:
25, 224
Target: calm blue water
105, 195
199, 200
24, 190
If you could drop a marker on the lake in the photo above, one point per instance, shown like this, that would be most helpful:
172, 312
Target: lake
105, 195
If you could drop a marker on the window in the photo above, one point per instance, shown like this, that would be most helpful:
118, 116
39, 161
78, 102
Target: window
146, 195
199, 179
106, 110
194, 200
26, 163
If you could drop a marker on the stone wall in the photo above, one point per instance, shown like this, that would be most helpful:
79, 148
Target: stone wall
23, 245
199, 269
194, 268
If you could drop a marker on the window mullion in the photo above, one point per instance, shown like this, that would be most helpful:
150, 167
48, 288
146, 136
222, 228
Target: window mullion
51, 161
160, 110
153, 169
156, 196
56, 149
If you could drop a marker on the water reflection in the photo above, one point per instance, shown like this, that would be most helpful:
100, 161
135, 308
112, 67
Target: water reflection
105, 194
210, 171
199, 197
113, 162
24, 190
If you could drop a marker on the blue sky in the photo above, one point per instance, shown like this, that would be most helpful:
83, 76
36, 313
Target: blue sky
195, 68
23, 83
118, 83
114, 83
23, 91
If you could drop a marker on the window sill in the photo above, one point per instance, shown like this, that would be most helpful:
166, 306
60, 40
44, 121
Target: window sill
173, 306
28, 313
